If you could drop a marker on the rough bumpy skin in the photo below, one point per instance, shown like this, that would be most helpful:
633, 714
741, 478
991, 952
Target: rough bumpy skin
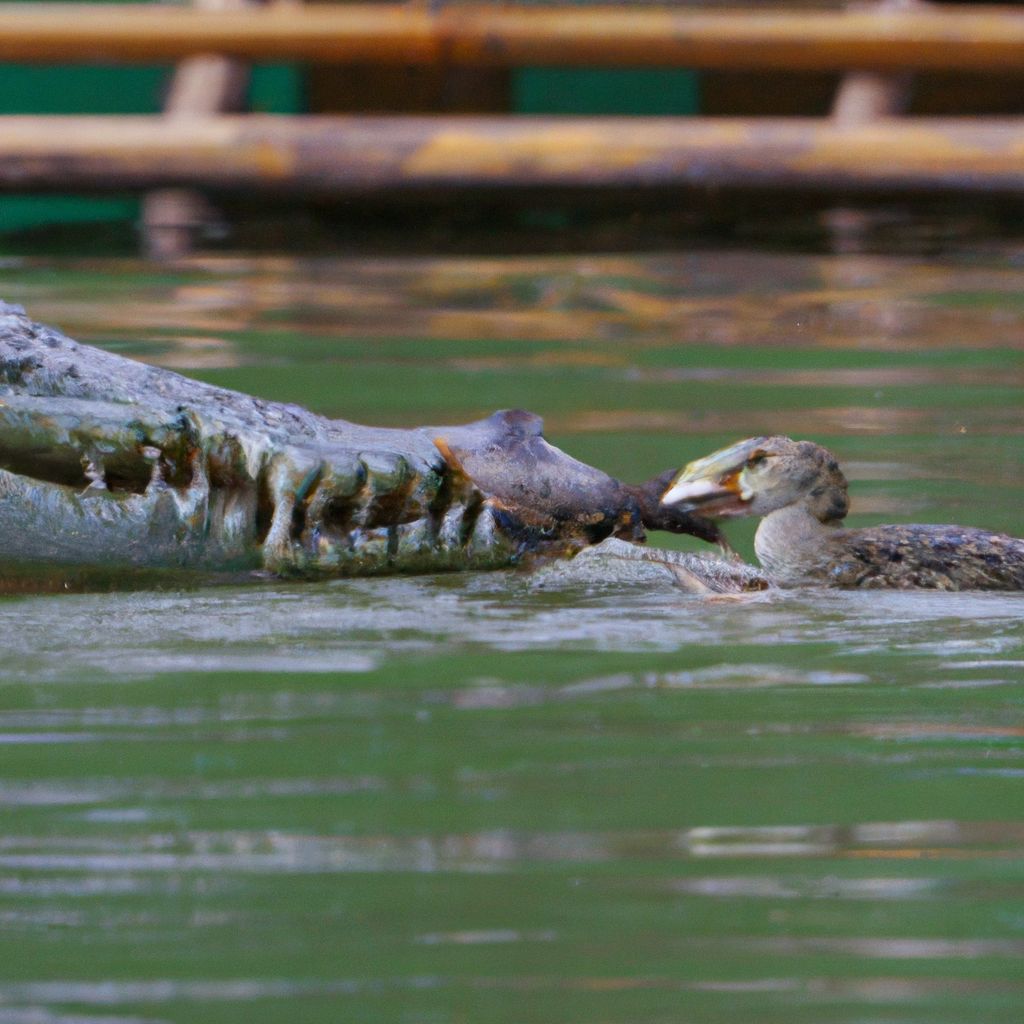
111, 469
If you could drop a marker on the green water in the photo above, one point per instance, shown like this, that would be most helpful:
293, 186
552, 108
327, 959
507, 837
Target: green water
474, 799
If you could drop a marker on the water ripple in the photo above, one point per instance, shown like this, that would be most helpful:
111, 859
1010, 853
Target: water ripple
276, 852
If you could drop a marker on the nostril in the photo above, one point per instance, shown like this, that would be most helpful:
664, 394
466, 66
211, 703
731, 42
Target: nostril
336, 516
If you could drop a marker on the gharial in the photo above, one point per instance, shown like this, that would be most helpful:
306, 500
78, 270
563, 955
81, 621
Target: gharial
115, 473
800, 493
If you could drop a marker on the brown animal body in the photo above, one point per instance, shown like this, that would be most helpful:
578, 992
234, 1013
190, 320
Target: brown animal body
800, 493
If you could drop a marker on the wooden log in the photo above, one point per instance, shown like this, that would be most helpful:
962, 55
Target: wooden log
987, 38
330, 156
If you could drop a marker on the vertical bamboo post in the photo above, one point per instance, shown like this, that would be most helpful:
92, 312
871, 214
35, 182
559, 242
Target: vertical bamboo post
206, 84
863, 97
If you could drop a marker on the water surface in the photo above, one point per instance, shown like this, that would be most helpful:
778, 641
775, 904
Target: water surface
491, 798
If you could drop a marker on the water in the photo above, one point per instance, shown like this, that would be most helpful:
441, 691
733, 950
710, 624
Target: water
486, 798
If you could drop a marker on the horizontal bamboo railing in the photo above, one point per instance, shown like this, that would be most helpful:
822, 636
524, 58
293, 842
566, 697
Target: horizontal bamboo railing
325, 156
392, 155
967, 38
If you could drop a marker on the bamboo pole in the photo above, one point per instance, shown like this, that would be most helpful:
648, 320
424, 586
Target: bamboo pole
969, 38
864, 97
202, 85
331, 156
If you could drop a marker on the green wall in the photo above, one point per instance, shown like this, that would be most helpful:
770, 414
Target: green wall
605, 91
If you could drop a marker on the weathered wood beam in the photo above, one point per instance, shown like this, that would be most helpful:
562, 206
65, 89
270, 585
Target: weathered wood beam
976, 38
327, 156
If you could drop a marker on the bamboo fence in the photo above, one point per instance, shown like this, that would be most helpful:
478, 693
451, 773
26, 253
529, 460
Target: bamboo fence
863, 146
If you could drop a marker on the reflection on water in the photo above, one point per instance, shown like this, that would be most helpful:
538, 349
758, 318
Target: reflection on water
507, 798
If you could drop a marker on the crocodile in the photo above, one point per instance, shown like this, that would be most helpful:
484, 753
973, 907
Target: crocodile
114, 471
